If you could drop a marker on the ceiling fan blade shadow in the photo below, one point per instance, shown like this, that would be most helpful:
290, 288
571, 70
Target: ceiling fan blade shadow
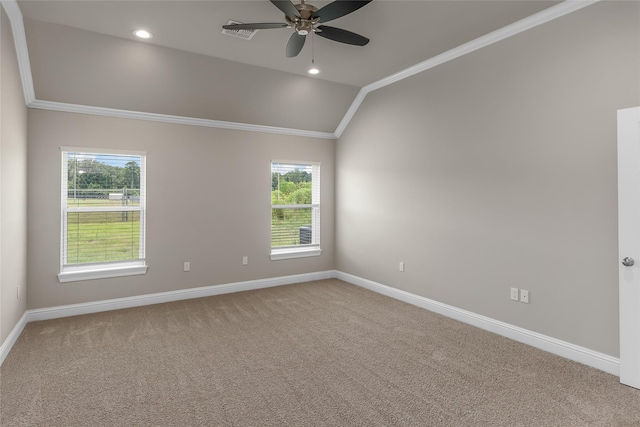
342, 36
339, 9
295, 44
287, 7
256, 26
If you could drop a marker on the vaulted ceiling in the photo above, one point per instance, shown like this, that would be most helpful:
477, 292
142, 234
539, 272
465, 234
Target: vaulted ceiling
84, 53
402, 33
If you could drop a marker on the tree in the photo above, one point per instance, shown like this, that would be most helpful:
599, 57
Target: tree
302, 196
92, 174
130, 175
281, 194
297, 176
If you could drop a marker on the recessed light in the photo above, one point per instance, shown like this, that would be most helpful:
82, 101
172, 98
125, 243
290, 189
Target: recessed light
143, 34
313, 70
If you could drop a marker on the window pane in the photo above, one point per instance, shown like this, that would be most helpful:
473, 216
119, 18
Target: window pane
102, 237
291, 184
103, 180
292, 227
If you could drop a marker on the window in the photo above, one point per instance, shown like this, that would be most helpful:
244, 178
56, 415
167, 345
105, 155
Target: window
295, 209
103, 214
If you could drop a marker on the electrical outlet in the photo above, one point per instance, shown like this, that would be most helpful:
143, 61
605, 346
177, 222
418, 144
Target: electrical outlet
514, 294
187, 266
401, 266
524, 296
245, 260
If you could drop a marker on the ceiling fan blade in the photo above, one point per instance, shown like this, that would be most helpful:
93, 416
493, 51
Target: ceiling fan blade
295, 44
256, 26
287, 7
338, 9
342, 36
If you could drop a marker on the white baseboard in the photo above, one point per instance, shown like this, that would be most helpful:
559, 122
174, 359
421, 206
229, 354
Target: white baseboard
7, 345
183, 294
567, 350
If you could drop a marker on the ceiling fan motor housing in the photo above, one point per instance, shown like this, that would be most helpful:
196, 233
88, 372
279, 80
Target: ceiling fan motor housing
303, 25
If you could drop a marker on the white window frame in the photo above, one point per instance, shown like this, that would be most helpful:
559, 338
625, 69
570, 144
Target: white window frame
72, 273
313, 249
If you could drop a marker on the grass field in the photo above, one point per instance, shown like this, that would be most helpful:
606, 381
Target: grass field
102, 236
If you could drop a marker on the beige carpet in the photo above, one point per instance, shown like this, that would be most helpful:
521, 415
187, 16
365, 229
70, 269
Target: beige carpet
324, 353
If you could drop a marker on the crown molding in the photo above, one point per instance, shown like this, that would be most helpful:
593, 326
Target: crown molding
510, 30
166, 118
20, 40
17, 25
542, 17
351, 111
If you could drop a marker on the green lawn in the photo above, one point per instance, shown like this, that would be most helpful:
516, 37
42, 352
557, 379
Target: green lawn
102, 237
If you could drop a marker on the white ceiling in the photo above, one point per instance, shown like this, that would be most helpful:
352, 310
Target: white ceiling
402, 33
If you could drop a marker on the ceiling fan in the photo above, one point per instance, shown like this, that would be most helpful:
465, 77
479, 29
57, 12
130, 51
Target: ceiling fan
305, 18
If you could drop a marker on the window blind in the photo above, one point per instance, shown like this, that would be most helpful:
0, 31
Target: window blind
103, 208
295, 204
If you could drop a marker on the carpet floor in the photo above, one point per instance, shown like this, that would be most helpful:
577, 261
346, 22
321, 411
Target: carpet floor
323, 353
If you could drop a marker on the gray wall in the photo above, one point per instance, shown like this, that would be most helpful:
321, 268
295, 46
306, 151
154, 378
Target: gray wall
498, 169
209, 195
13, 183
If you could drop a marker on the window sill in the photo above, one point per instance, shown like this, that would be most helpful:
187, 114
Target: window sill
101, 273
290, 253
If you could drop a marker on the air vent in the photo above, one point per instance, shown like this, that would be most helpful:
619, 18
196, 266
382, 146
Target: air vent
243, 34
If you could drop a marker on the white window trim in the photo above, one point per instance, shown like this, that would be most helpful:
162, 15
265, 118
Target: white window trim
314, 249
297, 252
73, 273
101, 272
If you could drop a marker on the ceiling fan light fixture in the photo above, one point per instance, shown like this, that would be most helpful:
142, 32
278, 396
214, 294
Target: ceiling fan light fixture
143, 34
313, 70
